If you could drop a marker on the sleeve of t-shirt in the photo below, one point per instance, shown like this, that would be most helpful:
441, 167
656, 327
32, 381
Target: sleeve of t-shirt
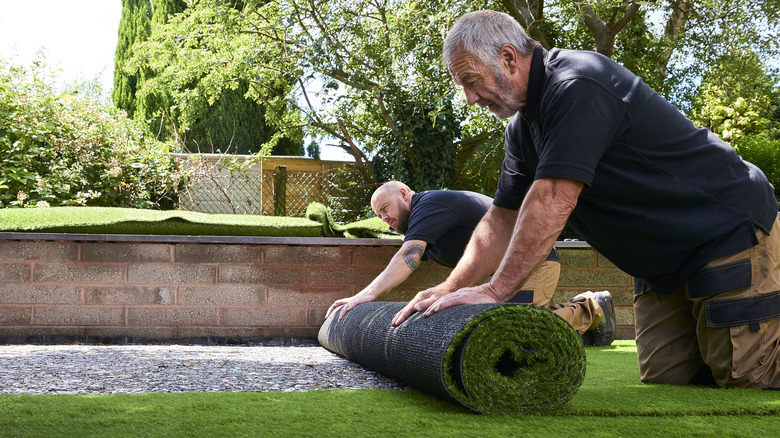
515, 177
579, 124
430, 222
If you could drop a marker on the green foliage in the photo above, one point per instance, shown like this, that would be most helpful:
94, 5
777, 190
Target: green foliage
374, 84
719, 28
738, 100
367, 75
764, 152
69, 149
737, 97
234, 124
216, 120
134, 27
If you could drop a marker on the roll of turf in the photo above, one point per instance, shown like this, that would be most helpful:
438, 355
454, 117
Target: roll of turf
491, 358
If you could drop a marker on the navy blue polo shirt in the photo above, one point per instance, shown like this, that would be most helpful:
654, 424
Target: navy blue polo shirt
445, 219
661, 196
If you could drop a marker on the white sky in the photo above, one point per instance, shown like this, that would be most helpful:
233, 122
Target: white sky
78, 36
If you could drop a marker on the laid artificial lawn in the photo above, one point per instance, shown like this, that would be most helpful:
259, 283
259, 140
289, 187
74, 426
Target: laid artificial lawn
111, 220
611, 402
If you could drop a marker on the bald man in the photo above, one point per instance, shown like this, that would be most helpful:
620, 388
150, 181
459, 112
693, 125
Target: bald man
437, 225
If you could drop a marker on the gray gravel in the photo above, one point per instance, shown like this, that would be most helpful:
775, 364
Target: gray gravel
111, 369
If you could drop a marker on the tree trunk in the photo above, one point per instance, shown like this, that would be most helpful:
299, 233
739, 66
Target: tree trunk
675, 28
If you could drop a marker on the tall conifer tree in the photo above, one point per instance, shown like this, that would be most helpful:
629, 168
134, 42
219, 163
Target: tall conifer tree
134, 26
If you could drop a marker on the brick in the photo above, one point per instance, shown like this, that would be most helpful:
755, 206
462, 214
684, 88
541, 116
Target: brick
43, 334
373, 255
258, 275
603, 262
166, 316
264, 316
174, 273
294, 297
129, 295
340, 276
624, 316
583, 258
78, 273
223, 295
234, 333
564, 295
131, 334
200, 253
428, 276
316, 316
125, 252
623, 296
15, 315
46, 251
14, 272
626, 332
79, 316
28, 293
290, 332
401, 293
307, 255
597, 280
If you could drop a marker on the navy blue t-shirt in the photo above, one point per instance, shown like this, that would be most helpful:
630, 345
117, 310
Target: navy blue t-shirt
445, 219
661, 196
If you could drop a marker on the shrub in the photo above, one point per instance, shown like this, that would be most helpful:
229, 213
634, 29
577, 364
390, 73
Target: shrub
764, 152
71, 149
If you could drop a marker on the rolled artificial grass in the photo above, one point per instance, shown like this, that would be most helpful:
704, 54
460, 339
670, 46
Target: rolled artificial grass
366, 228
509, 358
114, 220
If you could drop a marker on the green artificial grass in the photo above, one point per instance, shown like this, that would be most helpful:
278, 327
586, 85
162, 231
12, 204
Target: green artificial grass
372, 227
111, 220
611, 402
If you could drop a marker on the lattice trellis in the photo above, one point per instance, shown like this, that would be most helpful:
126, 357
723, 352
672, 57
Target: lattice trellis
279, 193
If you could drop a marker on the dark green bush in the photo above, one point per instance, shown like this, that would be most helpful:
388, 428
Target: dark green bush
71, 149
764, 152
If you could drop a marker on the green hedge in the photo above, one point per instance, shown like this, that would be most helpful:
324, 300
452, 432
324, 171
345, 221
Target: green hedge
62, 149
764, 152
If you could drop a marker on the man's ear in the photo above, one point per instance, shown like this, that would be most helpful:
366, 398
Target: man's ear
509, 57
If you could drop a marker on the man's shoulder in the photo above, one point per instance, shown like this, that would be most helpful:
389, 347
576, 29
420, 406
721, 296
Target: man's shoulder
446, 197
566, 64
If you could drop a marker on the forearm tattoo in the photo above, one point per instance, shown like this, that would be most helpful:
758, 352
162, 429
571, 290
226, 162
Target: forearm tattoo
413, 255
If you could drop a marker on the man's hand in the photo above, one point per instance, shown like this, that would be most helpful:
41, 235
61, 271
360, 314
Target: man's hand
420, 302
468, 295
348, 304
437, 298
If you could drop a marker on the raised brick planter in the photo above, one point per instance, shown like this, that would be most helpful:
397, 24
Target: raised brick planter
93, 287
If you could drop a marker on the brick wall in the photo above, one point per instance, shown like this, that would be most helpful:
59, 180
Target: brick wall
162, 288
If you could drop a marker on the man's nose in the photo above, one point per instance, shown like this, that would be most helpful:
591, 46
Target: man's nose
471, 96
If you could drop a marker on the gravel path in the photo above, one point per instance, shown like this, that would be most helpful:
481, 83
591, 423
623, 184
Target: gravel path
111, 369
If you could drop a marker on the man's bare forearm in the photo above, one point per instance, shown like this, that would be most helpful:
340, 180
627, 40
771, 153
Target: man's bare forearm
544, 213
401, 266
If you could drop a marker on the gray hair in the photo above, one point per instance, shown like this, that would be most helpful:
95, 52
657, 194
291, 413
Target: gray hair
482, 34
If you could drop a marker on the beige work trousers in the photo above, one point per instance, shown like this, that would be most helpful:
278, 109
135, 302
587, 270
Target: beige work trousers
582, 313
676, 339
